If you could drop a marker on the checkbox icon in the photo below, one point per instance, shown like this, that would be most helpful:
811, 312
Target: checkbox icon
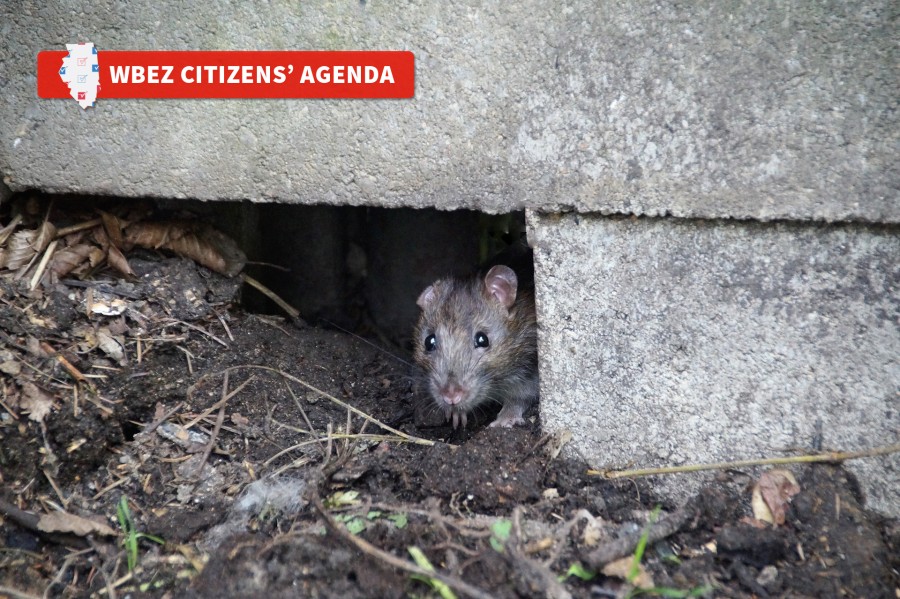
82, 79
82, 62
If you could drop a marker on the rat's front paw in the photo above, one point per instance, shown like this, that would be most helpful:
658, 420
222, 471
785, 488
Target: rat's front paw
507, 421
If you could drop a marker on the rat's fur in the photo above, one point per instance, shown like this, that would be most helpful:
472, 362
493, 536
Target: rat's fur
461, 376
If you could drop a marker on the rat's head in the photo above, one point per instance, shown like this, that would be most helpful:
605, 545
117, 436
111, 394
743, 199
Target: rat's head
463, 339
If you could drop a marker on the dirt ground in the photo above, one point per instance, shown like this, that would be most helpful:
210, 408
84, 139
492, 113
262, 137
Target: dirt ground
230, 438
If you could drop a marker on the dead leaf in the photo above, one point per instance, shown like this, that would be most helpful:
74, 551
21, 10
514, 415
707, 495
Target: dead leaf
68, 259
112, 307
201, 243
70, 523
10, 367
117, 260
6, 231
621, 567
111, 345
19, 252
113, 227
35, 401
240, 420
43, 236
772, 493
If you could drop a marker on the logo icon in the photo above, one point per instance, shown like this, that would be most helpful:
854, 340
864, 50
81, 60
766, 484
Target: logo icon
81, 72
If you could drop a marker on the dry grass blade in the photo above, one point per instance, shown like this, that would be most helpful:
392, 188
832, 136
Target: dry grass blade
834, 456
408, 438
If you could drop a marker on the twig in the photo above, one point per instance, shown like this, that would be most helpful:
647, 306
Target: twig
110, 587
60, 574
303, 413
219, 403
90, 224
535, 571
357, 411
59, 493
14, 594
76, 374
42, 265
198, 329
187, 356
218, 426
833, 456
392, 560
29, 521
225, 326
623, 546
291, 311
153, 425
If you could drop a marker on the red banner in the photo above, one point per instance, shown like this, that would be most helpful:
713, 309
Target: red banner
240, 74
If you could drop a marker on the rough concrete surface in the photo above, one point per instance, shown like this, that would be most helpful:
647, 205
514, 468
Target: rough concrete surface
666, 342
760, 110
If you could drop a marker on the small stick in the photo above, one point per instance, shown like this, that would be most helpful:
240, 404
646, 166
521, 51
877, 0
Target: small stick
59, 493
303, 413
90, 224
833, 456
215, 433
625, 545
14, 594
394, 561
199, 330
225, 326
42, 265
291, 311
76, 374
219, 403
358, 412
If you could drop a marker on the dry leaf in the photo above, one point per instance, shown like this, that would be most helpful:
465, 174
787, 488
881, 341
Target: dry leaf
200, 243
112, 307
111, 346
593, 532
43, 236
772, 493
19, 252
68, 259
70, 523
113, 227
35, 401
621, 567
6, 231
117, 260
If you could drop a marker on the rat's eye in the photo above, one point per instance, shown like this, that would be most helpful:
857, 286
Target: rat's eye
430, 343
481, 340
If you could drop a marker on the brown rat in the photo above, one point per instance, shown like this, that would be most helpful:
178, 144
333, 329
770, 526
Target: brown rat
476, 341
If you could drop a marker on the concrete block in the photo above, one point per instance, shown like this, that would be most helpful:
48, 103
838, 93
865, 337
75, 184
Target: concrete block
667, 342
764, 110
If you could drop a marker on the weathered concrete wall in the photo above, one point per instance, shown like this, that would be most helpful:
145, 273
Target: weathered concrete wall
667, 342
741, 109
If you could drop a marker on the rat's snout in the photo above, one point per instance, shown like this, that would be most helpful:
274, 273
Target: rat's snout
452, 393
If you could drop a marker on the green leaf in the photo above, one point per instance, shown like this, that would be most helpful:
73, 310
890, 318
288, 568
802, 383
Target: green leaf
422, 561
580, 571
642, 546
500, 531
373, 514
356, 526
399, 520
342, 499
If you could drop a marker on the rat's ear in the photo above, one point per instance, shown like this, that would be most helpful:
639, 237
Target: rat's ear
501, 284
426, 297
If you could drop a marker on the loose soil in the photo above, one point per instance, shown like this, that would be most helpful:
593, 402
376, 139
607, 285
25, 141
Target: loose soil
277, 504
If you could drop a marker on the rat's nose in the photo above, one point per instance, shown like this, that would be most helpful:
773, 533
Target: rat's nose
452, 393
